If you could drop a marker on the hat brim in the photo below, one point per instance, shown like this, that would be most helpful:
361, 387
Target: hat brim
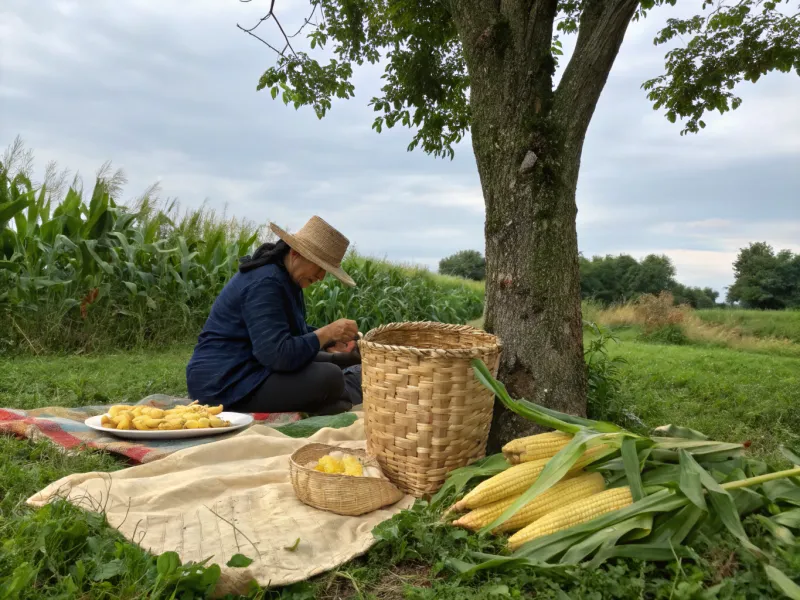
308, 252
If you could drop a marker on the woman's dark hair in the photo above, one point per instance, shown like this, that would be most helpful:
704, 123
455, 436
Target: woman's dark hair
267, 254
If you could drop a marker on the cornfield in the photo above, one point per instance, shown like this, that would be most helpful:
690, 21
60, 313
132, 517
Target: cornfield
85, 276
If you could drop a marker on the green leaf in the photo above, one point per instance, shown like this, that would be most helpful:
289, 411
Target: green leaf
293, 547
785, 585
689, 481
211, 575
109, 570
168, 563
131, 286
678, 526
630, 459
789, 518
724, 506
9, 209
606, 537
791, 455
780, 532
240, 561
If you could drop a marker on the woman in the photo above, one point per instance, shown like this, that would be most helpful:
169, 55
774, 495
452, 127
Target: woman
256, 352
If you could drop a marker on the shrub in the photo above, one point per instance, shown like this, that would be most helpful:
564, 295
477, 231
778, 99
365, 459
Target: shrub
468, 264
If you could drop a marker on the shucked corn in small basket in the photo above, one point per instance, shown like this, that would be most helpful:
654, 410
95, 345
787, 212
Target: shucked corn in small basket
342, 480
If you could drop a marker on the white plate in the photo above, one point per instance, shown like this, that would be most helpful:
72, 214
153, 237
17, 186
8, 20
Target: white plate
238, 421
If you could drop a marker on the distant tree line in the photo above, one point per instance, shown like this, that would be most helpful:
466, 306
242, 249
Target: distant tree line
612, 279
763, 278
605, 279
766, 279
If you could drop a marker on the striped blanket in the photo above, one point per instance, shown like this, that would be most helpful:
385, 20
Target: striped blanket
65, 427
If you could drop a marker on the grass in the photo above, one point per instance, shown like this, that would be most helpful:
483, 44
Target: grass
728, 394
759, 323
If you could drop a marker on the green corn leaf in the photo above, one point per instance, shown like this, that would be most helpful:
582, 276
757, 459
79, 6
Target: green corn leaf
780, 532
782, 490
89, 247
722, 502
781, 582
651, 552
633, 469
677, 527
793, 456
10, 266
789, 518
458, 479
604, 538
9, 209
676, 431
523, 408
553, 472
689, 481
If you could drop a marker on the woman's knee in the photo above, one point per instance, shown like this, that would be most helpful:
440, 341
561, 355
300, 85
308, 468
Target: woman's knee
331, 379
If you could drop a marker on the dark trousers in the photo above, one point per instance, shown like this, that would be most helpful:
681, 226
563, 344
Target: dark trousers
320, 388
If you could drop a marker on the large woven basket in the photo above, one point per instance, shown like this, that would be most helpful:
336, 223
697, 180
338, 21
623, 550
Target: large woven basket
341, 494
425, 411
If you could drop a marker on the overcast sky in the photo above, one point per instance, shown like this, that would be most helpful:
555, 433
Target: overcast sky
166, 89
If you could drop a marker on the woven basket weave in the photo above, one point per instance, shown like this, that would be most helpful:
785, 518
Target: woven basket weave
341, 494
425, 411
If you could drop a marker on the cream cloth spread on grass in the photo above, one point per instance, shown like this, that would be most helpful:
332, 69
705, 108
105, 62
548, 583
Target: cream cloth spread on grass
190, 501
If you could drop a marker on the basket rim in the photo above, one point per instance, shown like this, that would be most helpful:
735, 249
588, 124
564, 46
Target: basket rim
452, 352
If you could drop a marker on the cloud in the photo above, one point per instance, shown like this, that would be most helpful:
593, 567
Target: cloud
167, 91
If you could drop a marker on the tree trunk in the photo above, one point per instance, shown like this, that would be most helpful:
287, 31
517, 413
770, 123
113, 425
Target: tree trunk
528, 140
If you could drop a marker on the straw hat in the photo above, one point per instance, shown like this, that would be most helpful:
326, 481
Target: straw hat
320, 243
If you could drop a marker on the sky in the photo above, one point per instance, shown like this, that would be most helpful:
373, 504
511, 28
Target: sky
166, 89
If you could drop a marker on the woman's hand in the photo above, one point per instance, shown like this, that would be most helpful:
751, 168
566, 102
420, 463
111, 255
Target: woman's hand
342, 331
343, 347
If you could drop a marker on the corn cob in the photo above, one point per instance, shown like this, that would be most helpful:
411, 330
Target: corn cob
573, 514
581, 486
534, 447
517, 479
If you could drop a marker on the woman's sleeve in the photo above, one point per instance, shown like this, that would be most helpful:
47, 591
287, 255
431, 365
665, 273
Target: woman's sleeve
274, 346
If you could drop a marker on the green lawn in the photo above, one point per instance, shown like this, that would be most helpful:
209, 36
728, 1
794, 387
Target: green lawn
760, 323
727, 394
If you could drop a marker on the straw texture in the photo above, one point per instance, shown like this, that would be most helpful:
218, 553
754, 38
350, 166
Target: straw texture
425, 411
341, 494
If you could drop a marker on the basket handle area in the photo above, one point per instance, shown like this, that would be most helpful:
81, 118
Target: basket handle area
432, 352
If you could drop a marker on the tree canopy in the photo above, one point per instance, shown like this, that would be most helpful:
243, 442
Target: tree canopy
766, 279
469, 264
426, 82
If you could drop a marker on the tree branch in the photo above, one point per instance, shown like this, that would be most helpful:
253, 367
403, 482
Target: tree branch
600, 33
271, 15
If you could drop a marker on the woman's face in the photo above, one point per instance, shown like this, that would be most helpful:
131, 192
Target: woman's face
302, 271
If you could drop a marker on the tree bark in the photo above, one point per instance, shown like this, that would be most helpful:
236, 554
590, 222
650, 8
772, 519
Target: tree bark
528, 140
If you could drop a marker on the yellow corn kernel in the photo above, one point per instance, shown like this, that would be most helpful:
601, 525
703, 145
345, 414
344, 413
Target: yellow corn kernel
574, 513
331, 465
214, 410
589, 456
569, 490
543, 445
352, 466
519, 478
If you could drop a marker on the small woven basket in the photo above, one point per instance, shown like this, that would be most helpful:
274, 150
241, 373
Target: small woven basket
341, 494
425, 411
